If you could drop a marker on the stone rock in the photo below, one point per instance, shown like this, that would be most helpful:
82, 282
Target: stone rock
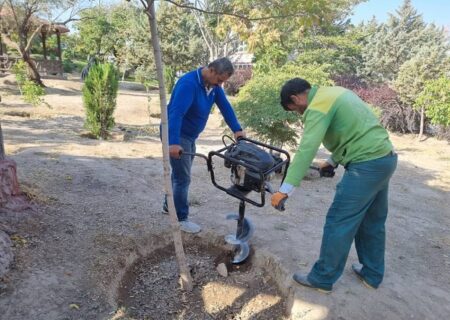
222, 270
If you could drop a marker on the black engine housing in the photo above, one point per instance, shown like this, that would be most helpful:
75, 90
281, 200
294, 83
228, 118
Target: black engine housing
244, 177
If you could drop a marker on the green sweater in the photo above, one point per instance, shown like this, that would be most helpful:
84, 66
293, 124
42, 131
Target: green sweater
345, 125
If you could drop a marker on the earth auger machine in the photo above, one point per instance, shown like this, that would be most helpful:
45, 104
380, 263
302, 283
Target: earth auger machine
252, 166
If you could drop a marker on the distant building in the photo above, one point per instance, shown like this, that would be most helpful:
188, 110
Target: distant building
242, 60
243, 69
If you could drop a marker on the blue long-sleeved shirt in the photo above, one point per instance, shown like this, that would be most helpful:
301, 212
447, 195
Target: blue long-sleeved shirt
190, 106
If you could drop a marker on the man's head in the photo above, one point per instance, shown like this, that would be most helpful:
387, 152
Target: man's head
218, 72
294, 95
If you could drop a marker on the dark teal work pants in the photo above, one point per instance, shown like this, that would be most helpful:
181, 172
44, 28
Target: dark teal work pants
359, 212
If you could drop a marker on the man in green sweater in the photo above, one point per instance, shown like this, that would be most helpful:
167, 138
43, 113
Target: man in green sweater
345, 125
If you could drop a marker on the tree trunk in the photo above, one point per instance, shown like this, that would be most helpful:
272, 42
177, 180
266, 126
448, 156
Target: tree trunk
35, 76
1, 45
186, 279
422, 120
2, 145
58, 41
24, 49
44, 45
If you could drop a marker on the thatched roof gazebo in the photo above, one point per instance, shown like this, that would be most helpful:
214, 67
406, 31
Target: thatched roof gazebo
48, 29
51, 66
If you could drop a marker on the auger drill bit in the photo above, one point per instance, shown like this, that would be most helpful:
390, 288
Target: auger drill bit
243, 234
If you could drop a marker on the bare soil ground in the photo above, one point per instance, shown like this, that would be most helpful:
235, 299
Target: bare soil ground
98, 222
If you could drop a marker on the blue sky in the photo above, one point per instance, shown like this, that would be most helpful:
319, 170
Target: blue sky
437, 11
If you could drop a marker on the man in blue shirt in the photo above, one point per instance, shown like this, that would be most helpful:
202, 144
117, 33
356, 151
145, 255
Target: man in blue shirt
189, 108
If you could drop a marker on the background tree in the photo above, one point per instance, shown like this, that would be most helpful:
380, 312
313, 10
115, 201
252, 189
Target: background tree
275, 29
218, 36
122, 31
258, 103
182, 46
97, 31
436, 99
395, 42
341, 52
428, 64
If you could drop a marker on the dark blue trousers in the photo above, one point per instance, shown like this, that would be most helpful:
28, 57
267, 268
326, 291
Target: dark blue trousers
358, 212
181, 178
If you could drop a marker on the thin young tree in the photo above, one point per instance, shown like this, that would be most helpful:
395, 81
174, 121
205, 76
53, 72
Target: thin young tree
186, 279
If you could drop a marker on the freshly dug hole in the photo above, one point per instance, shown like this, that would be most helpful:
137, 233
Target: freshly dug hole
150, 288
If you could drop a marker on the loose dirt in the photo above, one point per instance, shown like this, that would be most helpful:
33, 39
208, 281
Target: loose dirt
151, 288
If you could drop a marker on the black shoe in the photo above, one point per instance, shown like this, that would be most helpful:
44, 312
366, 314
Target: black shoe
302, 279
357, 268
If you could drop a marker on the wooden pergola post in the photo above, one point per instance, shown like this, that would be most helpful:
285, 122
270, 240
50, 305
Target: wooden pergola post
58, 40
44, 46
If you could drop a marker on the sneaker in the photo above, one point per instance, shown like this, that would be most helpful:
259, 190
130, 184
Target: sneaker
357, 268
189, 227
302, 279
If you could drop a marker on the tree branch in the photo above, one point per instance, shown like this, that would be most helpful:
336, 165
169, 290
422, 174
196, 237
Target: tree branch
232, 14
30, 40
206, 36
72, 18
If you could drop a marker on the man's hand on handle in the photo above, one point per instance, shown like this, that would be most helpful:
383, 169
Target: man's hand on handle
278, 200
239, 134
175, 151
326, 169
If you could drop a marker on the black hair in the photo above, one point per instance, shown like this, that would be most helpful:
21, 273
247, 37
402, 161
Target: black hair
290, 88
222, 66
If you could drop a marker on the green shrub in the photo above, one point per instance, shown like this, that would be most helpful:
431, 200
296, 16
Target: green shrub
31, 92
20, 71
99, 98
258, 103
68, 66
79, 65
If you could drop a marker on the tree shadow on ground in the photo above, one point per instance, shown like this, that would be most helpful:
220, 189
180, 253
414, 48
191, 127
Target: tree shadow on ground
63, 92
